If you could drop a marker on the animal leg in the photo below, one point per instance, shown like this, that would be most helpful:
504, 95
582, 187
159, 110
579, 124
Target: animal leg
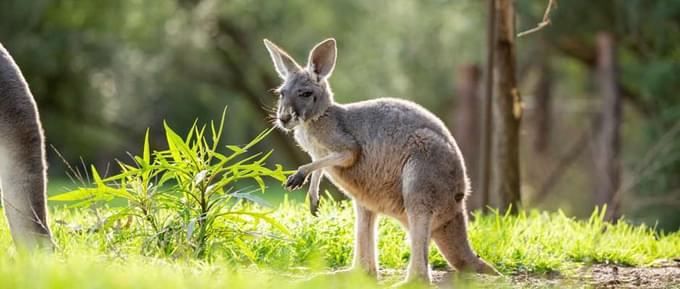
365, 256
341, 159
22, 180
419, 236
314, 192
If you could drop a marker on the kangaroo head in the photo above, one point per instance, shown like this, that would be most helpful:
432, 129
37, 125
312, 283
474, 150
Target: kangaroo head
305, 93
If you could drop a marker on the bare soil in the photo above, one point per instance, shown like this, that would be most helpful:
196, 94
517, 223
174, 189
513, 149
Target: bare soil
661, 274
666, 274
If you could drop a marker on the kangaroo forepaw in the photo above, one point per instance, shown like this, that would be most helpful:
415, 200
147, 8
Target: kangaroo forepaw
296, 181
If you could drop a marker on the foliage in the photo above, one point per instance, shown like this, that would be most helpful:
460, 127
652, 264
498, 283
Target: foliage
126, 65
539, 242
179, 200
128, 62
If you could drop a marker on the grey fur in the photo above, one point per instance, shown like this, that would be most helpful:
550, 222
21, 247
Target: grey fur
22, 158
390, 156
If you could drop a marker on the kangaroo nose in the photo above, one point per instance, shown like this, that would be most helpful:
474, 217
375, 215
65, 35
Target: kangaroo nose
285, 118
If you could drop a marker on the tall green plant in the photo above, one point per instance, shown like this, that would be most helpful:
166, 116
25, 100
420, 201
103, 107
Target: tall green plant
180, 198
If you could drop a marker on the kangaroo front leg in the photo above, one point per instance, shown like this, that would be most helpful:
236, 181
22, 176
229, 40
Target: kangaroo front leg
365, 256
340, 159
314, 192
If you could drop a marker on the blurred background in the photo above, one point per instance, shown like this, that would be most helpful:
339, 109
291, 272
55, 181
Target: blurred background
103, 72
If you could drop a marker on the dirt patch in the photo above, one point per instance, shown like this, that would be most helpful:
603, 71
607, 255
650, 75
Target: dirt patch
661, 274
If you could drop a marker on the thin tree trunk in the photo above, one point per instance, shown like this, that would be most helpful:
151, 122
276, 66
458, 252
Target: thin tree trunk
487, 113
238, 81
608, 168
542, 116
567, 159
466, 125
506, 183
586, 54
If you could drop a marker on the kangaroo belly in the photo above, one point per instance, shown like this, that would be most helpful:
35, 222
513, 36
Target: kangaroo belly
374, 185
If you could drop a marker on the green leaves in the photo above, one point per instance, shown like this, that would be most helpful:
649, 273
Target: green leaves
181, 197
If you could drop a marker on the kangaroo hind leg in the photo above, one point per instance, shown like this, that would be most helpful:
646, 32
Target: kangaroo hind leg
365, 256
22, 181
419, 203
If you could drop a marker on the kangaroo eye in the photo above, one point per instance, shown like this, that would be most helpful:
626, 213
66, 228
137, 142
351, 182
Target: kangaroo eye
305, 94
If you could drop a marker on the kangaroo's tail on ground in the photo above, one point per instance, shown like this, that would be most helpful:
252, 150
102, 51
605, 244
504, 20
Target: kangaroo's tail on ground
451, 239
22, 159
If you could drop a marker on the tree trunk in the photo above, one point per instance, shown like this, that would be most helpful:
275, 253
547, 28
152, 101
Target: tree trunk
542, 116
506, 182
608, 168
486, 112
466, 125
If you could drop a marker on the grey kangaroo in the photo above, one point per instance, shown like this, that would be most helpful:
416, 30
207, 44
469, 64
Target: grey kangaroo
390, 156
22, 158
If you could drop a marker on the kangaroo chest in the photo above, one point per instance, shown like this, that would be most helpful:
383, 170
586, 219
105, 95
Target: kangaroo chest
311, 145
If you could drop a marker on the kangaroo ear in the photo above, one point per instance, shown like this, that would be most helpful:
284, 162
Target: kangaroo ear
283, 63
322, 59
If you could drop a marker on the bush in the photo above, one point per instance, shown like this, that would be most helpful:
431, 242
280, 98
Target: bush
178, 199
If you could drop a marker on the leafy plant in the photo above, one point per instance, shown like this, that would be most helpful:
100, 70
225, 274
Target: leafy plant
180, 198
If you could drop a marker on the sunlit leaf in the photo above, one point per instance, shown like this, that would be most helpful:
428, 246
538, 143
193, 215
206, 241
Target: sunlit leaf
253, 198
146, 151
200, 177
75, 195
263, 217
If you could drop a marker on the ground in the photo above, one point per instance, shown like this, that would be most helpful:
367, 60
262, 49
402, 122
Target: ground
665, 274
526, 248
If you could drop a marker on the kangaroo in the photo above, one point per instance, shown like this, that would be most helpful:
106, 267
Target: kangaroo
391, 156
22, 158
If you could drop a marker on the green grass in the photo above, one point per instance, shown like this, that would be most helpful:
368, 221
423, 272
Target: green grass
539, 242
185, 217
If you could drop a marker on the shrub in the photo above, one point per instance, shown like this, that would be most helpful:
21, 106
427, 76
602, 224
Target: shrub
179, 199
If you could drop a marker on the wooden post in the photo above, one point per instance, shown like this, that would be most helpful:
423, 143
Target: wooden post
506, 182
608, 146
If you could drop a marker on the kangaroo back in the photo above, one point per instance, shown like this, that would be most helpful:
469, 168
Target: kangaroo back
22, 158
